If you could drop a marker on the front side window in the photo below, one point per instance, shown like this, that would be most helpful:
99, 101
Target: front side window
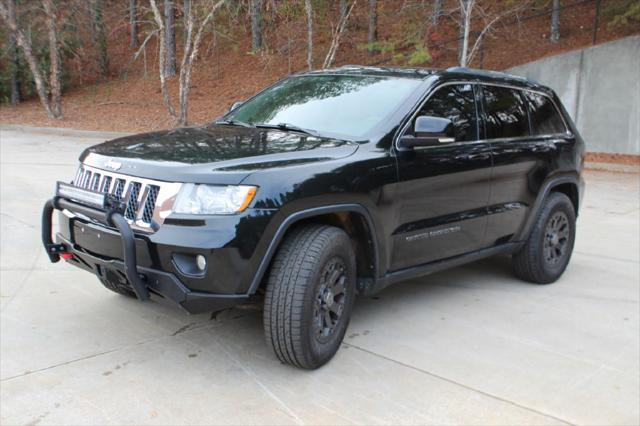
457, 103
545, 118
340, 105
505, 113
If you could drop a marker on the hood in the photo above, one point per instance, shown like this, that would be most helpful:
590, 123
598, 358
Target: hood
197, 154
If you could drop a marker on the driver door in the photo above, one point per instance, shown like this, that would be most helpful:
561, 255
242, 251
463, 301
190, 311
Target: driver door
443, 188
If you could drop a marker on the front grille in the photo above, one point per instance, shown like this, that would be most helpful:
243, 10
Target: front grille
132, 200
141, 197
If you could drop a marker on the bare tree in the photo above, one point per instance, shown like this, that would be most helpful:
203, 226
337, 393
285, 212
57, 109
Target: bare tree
27, 50
466, 9
373, 24
555, 21
336, 34
186, 10
437, 12
190, 53
133, 24
344, 8
170, 39
309, 9
256, 25
13, 58
99, 36
55, 84
470, 8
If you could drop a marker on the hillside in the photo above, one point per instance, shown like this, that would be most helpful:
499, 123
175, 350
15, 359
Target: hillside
226, 71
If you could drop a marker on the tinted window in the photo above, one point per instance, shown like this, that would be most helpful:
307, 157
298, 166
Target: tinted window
545, 119
330, 104
456, 103
506, 113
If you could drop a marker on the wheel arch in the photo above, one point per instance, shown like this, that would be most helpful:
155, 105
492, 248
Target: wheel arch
566, 184
354, 219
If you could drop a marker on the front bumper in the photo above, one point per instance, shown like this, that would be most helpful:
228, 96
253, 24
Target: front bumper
144, 279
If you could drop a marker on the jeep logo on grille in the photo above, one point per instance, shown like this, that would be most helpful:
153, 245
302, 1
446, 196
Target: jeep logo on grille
113, 165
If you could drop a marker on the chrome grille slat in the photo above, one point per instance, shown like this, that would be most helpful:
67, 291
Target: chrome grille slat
147, 202
106, 184
87, 179
95, 181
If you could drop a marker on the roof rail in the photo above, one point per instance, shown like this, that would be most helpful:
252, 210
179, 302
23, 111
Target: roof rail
487, 73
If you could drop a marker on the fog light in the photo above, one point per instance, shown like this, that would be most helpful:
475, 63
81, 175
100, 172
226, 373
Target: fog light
201, 262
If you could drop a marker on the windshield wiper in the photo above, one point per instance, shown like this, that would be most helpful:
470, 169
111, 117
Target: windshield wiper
287, 126
233, 123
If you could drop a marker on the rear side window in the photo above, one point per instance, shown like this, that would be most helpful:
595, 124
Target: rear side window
505, 113
545, 118
457, 103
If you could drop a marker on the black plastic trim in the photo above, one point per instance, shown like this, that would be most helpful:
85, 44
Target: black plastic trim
544, 191
439, 265
305, 214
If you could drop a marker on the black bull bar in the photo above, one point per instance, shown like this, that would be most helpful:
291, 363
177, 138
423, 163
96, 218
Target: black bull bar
110, 217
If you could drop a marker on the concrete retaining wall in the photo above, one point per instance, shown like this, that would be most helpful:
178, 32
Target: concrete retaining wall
600, 87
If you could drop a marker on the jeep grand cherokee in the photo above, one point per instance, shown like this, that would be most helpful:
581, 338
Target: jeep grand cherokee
326, 185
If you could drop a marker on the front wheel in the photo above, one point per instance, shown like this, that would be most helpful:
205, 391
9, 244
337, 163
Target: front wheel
546, 253
310, 294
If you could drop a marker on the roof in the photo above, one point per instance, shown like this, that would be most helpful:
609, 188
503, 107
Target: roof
422, 73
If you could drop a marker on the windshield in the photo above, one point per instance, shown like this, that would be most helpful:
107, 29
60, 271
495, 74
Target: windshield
347, 106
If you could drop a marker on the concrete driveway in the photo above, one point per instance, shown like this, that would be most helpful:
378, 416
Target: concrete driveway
472, 345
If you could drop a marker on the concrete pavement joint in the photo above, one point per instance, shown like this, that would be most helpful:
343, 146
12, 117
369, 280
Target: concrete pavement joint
604, 256
453, 382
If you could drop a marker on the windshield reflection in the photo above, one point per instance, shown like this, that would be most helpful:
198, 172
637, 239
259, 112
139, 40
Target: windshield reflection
333, 104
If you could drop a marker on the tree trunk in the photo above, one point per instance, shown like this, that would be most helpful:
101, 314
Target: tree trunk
343, 9
309, 9
13, 59
55, 84
555, 21
437, 12
133, 24
466, 9
186, 10
335, 39
162, 57
99, 37
256, 25
190, 55
373, 25
170, 39
27, 50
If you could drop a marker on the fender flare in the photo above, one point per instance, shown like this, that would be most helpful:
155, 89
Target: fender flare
293, 218
544, 191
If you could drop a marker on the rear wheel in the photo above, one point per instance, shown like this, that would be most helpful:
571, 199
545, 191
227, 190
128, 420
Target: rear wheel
548, 249
310, 295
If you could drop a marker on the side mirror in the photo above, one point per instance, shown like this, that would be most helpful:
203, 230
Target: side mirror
429, 130
235, 105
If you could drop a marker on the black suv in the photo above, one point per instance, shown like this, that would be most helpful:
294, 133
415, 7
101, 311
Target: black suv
326, 185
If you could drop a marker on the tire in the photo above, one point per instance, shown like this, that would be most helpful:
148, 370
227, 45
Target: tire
116, 284
309, 296
546, 253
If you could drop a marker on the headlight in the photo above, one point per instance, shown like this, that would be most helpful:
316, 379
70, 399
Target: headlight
212, 199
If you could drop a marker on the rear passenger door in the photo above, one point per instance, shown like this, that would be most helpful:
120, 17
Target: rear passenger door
443, 189
523, 154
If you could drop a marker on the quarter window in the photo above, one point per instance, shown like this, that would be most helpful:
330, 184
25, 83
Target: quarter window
457, 103
545, 119
505, 113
